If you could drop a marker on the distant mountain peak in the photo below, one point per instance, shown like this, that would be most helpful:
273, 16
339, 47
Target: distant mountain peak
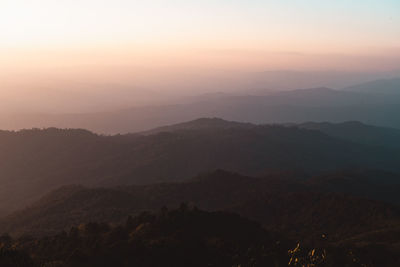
358, 132
199, 124
382, 86
315, 90
327, 123
209, 120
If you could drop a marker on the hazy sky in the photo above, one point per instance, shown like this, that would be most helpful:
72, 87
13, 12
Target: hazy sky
115, 40
175, 30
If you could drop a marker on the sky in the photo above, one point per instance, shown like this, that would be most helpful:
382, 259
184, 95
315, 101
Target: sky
46, 42
171, 29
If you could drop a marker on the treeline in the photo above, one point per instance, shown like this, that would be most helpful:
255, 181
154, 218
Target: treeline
182, 237
340, 205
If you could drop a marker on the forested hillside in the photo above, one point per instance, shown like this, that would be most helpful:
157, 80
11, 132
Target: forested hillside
33, 162
185, 237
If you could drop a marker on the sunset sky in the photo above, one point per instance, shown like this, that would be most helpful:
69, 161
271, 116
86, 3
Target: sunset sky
169, 32
117, 41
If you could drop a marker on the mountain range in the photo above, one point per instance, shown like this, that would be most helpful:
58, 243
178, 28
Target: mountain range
376, 103
33, 162
382, 86
318, 190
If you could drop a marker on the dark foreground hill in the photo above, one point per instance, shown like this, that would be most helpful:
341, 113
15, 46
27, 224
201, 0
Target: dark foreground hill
184, 237
302, 208
33, 162
336, 219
